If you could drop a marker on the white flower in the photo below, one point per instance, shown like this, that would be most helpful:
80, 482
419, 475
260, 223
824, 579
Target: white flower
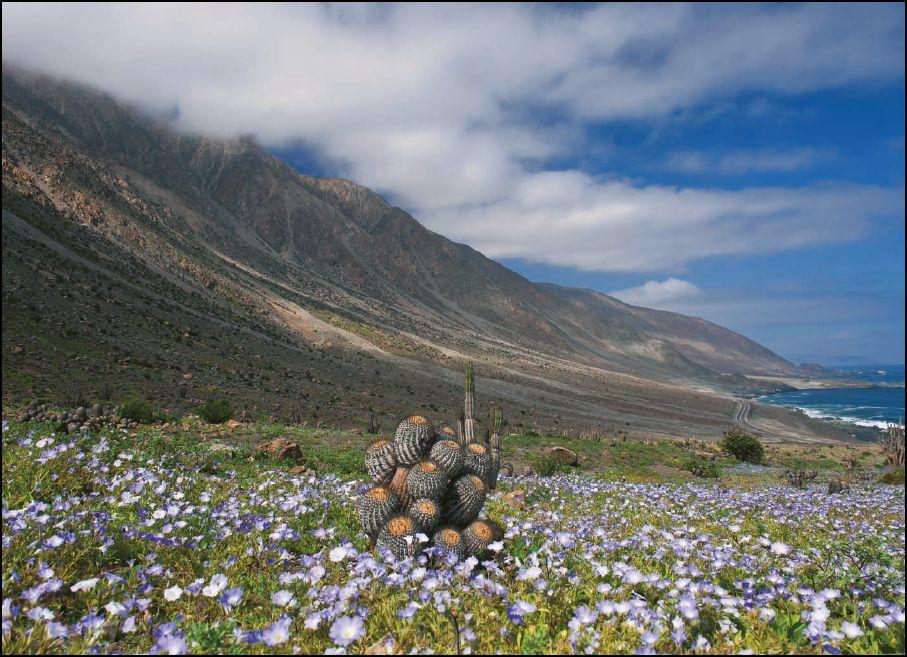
338, 554
173, 593
780, 548
84, 585
851, 630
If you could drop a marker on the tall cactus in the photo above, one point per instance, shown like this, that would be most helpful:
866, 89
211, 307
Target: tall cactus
469, 420
494, 443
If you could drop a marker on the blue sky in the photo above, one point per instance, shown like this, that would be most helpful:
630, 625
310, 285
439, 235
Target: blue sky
743, 163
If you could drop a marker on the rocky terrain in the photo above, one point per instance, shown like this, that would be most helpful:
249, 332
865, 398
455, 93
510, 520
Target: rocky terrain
137, 260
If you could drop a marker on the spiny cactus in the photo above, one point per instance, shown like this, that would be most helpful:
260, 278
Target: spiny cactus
449, 539
479, 535
494, 444
375, 508
464, 500
433, 483
426, 479
380, 461
449, 455
426, 514
399, 536
478, 462
892, 442
413, 437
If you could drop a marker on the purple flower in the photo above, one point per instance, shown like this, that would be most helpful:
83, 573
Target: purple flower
277, 632
347, 630
231, 597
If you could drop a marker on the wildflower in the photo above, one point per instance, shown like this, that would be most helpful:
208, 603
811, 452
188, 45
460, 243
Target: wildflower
231, 597
173, 593
84, 585
277, 632
347, 630
851, 630
282, 598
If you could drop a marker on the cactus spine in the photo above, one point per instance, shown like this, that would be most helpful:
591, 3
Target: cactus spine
469, 422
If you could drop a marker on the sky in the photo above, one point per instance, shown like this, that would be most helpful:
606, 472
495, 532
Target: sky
742, 163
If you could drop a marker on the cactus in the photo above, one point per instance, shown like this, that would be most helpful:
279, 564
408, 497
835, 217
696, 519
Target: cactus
892, 442
479, 535
412, 439
464, 500
494, 444
376, 506
399, 536
449, 455
398, 486
380, 461
426, 479
426, 514
449, 540
434, 483
478, 462
835, 486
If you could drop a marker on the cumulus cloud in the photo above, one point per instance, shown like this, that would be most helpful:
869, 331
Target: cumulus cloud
439, 106
658, 294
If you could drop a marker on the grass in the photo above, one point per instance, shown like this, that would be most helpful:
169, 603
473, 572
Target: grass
134, 505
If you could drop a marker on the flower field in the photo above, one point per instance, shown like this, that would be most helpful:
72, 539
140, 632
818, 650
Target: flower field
114, 545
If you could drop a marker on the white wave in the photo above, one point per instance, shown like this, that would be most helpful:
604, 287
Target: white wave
823, 415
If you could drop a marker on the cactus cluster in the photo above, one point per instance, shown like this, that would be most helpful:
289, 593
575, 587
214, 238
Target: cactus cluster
433, 482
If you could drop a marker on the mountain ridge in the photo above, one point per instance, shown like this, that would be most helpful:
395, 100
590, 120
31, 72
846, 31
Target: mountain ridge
324, 262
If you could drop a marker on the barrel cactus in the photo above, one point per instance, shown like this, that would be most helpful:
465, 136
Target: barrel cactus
478, 462
380, 461
426, 514
449, 455
464, 500
375, 508
399, 536
429, 482
479, 535
413, 438
449, 540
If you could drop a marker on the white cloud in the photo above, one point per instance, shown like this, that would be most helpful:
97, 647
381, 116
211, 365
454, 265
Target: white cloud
428, 103
658, 294
742, 162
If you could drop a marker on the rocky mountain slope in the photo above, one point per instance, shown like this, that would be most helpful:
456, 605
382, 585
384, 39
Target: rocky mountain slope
135, 257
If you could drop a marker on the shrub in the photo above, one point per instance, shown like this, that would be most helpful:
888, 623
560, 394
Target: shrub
742, 446
544, 465
892, 476
702, 468
137, 410
216, 411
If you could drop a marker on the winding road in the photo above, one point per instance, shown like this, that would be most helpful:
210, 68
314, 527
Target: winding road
742, 416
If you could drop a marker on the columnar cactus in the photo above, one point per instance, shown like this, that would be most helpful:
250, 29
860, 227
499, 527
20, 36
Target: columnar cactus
433, 483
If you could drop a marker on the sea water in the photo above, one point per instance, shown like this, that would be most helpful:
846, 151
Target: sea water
868, 407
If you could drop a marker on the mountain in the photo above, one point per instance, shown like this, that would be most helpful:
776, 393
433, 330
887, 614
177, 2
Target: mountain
136, 258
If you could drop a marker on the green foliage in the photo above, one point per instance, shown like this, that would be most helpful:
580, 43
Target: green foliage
544, 465
893, 476
216, 411
137, 409
702, 468
742, 446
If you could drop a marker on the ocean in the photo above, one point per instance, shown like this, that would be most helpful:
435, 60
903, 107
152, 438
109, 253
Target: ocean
867, 407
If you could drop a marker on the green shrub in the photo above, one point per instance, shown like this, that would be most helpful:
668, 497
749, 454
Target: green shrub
702, 468
544, 465
136, 409
893, 476
742, 446
216, 411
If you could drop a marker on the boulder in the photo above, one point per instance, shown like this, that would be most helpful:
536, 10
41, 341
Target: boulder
280, 448
563, 455
516, 499
222, 448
